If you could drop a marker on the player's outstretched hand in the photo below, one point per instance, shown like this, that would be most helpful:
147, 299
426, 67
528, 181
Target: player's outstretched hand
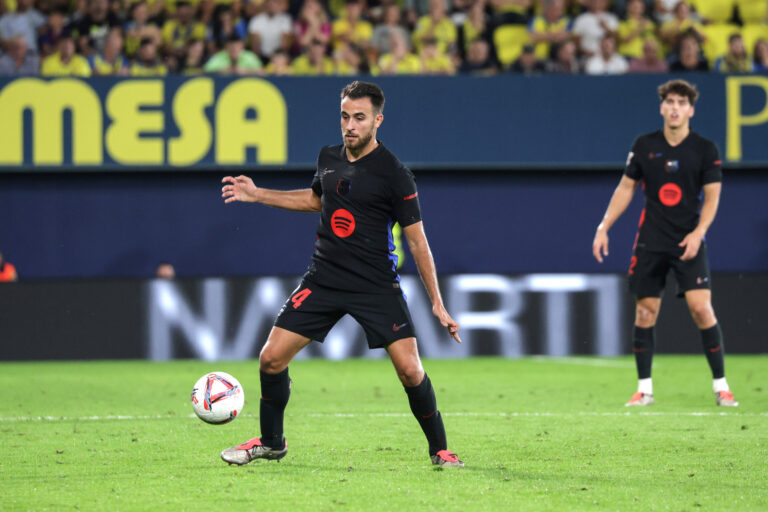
447, 322
239, 189
692, 244
600, 245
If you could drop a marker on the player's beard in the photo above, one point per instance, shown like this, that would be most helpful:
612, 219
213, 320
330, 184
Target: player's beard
362, 142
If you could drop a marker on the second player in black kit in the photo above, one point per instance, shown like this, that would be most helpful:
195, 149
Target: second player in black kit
681, 175
672, 177
360, 190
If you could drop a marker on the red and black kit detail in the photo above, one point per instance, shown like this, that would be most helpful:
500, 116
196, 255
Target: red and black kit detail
672, 178
361, 201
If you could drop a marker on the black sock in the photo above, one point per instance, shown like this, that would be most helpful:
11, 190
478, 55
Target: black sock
424, 408
643, 343
275, 391
712, 341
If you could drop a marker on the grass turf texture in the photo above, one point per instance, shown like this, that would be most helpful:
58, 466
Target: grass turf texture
535, 434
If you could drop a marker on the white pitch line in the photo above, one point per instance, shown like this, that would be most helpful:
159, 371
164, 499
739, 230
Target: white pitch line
396, 415
584, 361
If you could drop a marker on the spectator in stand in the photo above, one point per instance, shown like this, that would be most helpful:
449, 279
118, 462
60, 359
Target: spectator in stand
180, 30
381, 34
689, 56
234, 60
147, 62
165, 271
566, 60
111, 61
18, 60
352, 28
528, 63
51, 32
476, 25
399, 61
664, 10
478, 61
7, 270
271, 30
280, 65
312, 23
635, 30
435, 25
225, 24
608, 61
65, 62
192, 62
434, 62
683, 23
511, 11
761, 56
351, 60
590, 27
552, 26
26, 21
736, 59
651, 62
314, 61
139, 27
92, 30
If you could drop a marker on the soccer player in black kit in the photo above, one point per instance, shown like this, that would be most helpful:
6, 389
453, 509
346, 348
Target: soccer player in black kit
674, 165
360, 190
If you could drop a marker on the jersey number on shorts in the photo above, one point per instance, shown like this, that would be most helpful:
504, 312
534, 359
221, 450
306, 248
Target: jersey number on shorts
632, 265
299, 297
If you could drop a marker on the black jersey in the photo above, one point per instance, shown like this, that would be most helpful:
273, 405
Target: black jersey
672, 178
361, 201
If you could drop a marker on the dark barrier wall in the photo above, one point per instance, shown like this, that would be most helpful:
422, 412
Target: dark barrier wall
122, 225
458, 122
511, 316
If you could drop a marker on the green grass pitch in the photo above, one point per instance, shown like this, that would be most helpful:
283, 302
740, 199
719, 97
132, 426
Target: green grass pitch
535, 434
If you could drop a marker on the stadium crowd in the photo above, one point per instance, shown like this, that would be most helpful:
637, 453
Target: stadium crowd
380, 37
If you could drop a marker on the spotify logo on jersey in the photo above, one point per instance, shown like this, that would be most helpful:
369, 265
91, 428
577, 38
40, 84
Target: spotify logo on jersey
342, 223
670, 194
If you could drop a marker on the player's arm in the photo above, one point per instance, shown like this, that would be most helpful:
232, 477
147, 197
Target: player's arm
692, 241
242, 188
620, 200
422, 255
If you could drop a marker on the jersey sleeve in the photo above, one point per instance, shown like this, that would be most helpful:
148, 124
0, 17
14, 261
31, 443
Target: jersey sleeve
405, 198
633, 169
317, 180
711, 169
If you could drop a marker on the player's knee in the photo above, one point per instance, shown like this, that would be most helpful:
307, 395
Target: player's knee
411, 375
645, 315
269, 362
702, 313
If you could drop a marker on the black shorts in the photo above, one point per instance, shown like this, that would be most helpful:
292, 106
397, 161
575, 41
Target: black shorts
648, 272
312, 310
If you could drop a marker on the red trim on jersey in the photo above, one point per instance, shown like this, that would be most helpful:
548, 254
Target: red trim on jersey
410, 196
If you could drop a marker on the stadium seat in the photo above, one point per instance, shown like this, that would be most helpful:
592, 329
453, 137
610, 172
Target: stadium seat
752, 11
509, 41
715, 11
751, 33
717, 36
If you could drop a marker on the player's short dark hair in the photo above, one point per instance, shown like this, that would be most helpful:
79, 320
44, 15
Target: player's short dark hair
680, 87
357, 90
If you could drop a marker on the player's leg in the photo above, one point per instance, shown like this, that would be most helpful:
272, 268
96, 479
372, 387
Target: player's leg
643, 345
693, 277
421, 397
281, 347
647, 277
700, 306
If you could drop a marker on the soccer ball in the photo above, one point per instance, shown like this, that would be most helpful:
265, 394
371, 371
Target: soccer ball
217, 398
